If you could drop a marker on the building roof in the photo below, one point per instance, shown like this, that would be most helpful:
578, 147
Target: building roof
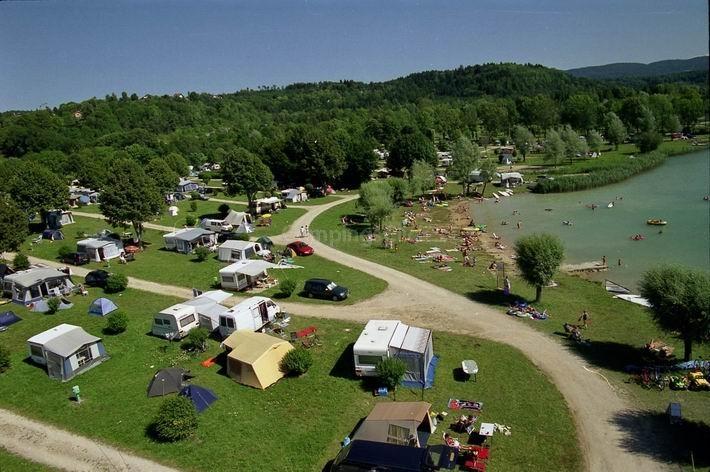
64, 339
34, 275
188, 234
251, 268
377, 334
248, 346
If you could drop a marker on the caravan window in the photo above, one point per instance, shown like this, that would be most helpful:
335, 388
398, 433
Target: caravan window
249, 252
369, 360
159, 322
228, 279
226, 322
36, 351
187, 320
84, 355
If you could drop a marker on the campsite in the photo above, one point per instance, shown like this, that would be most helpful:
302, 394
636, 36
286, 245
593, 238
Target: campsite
514, 395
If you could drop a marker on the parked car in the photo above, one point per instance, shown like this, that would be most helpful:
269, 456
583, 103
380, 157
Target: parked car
323, 288
97, 278
300, 248
76, 258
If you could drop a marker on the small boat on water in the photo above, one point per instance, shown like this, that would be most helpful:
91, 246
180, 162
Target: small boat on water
656, 222
638, 237
495, 195
613, 287
610, 205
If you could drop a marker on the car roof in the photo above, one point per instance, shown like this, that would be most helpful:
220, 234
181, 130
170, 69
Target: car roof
98, 272
319, 280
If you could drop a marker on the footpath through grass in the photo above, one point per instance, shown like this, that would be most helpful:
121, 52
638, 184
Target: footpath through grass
9, 462
617, 331
184, 270
296, 424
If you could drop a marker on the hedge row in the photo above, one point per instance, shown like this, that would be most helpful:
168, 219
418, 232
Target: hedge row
571, 183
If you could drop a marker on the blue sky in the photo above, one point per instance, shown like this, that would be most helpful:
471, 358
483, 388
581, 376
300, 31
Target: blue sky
58, 51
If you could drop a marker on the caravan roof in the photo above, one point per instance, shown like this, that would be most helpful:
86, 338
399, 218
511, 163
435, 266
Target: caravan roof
236, 244
179, 310
34, 275
251, 268
63, 339
377, 333
410, 338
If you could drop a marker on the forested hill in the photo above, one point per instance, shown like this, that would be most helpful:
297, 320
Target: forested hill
634, 69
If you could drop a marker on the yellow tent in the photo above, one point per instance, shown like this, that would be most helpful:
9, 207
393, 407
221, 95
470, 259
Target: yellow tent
253, 358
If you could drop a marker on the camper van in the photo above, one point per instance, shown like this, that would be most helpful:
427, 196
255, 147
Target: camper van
203, 310
251, 314
218, 226
392, 338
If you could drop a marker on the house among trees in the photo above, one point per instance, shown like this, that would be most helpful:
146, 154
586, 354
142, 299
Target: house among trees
66, 351
35, 283
188, 239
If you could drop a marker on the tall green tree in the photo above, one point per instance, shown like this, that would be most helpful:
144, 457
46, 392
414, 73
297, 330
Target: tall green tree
36, 189
315, 156
488, 172
538, 257
680, 303
421, 178
466, 157
177, 163
410, 146
580, 111
554, 147
523, 139
595, 141
130, 197
376, 202
244, 172
574, 144
13, 225
165, 178
615, 129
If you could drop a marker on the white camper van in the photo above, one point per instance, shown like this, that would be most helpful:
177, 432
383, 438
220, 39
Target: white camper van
392, 338
218, 226
251, 314
204, 310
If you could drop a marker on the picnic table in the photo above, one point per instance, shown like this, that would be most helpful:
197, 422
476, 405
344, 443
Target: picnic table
470, 367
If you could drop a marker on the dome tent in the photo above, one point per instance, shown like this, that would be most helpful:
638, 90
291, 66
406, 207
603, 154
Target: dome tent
102, 307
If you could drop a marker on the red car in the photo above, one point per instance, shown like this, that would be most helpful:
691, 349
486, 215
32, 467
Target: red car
301, 248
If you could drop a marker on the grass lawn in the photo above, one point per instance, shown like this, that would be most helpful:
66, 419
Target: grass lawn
169, 267
617, 332
294, 425
11, 463
205, 209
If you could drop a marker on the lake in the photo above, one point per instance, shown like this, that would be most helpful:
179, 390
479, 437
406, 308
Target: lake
673, 192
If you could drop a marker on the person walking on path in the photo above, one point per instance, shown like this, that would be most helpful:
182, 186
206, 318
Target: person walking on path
584, 317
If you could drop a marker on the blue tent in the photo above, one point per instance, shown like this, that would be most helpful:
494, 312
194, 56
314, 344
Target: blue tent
102, 307
8, 318
201, 397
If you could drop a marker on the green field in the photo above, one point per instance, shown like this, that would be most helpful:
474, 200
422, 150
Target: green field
294, 425
617, 332
183, 270
12, 463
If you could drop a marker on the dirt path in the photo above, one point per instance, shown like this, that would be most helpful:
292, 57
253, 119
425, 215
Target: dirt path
99, 216
45, 444
592, 401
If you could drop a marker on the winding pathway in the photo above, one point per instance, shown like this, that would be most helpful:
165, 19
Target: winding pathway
593, 402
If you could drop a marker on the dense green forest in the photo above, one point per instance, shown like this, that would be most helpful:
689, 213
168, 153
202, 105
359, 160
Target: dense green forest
324, 133
635, 69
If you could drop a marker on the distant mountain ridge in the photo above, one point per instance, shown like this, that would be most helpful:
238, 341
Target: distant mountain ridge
621, 70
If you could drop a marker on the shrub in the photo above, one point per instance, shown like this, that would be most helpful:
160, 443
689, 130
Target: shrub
202, 253
65, 251
391, 370
194, 195
223, 209
196, 340
296, 361
193, 205
53, 305
649, 141
287, 286
116, 283
191, 220
20, 262
242, 236
4, 359
176, 420
116, 323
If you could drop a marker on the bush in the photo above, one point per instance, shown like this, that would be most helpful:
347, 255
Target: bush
53, 305
223, 209
116, 323
65, 251
116, 283
196, 340
296, 362
202, 253
287, 286
391, 371
191, 220
649, 141
193, 205
20, 262
194, 195
4, 359
176, 420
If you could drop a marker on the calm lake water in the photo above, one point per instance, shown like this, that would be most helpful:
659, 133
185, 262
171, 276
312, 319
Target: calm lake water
673, 192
